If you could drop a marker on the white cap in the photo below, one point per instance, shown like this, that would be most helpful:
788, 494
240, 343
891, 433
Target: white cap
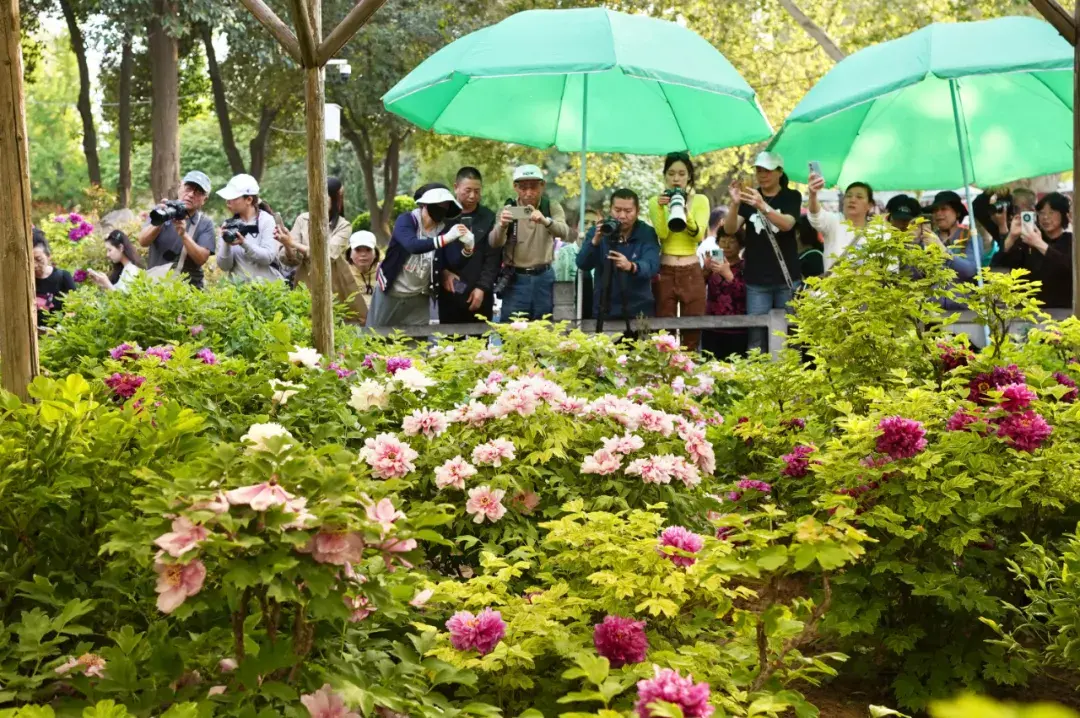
363, 238
528, 172
769, 160
438, 195
239, 186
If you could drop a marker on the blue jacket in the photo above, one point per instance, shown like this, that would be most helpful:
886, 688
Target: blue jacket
403, 244
643, 248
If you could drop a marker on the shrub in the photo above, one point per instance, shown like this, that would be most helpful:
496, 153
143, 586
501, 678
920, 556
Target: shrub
402, 204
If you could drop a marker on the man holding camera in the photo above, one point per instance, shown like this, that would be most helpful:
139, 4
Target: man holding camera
178, 228
526, 232
469, 274
626, 252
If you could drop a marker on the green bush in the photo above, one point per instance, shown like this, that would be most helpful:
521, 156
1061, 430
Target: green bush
402, 204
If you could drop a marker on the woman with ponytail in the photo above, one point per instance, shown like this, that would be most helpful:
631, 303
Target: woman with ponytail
126, 263
252, 253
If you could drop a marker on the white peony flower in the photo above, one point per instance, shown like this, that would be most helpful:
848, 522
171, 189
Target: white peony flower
283, 390
413, 379
258, 434
370, 394
305, 356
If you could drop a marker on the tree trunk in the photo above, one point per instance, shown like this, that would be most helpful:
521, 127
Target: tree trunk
221, 106
127, 71
259, 144
358, 137
86, 112
814, 30
18, 336
164, 105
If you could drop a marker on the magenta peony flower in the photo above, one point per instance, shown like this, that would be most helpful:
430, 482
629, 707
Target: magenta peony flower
798, 462
207, 356
1016, 397
124, 385
396, 364
369, 361
1066, 380
341, 371
961, 420
954, 357
125, 351
162, 353
75, 218
667, 685
748, 484
793, 424
1026, 432
979, 387
901, 438
680, 538
481, 632
80, 275
621, 640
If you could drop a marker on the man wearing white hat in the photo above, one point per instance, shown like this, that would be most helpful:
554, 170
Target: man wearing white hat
191, 237
527, 281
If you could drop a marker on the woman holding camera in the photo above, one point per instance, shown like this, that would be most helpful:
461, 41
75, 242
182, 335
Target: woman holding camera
296, 251
680, 218
127, 264
1044, 249
247, 250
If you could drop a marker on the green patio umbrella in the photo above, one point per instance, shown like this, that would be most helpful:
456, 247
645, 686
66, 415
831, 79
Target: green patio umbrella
583, 80
964, 103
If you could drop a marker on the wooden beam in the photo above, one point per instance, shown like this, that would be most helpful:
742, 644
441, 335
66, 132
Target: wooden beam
1076, 156
348, 27
305, 33
281, 32
322, 300
18, 331
1058, 17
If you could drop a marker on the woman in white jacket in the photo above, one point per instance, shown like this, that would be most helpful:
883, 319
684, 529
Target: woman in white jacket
837, 235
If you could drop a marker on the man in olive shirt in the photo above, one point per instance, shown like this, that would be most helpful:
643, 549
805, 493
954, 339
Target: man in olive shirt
529, 247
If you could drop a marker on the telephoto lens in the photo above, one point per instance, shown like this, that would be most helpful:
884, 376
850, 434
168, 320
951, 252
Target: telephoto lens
676, 210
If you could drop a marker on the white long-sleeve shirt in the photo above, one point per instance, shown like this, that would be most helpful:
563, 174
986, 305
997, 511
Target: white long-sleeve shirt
835, 233
256, 258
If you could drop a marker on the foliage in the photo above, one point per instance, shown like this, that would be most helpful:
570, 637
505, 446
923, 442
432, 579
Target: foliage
402, 204
86, 252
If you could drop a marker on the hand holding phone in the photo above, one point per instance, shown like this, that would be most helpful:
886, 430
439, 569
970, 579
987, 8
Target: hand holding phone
815, 168
519, 213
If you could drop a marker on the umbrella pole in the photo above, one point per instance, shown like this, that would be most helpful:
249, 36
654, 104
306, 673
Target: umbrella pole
581, 204
965, 155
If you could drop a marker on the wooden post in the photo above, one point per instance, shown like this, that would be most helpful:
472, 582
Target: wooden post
18, 333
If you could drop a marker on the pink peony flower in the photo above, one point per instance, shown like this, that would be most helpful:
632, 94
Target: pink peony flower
176, 582
681, 362
519, 326
481, 632
1025, 432
339, 548
197, 330
901, 438
485, 503
494, 452
80, 276
384, 514
659, 422
162, 353
421, 598
227, 665
426, 422
666, 343
684, 471
653, 470
981, 385
572, 406
360, 606
798, 462
602, 462
218, 504
259, 497
392, 546
453, 473
124, 385
520, 403
91, 664
388, 457
525, 502
1016, 397
207, 356
701, 452
621, 640
396, 364
680, 538
961, 420
125, 351
325, 703
184, 537
624, 445
1065, 380
668, 686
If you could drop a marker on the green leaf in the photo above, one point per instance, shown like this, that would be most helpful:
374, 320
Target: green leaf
106, 709
772, 558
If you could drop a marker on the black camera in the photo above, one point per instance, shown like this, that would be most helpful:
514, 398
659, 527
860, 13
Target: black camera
608, 226
171, 210
234, 228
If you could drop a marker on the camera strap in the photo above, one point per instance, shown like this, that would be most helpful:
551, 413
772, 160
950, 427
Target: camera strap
767, 226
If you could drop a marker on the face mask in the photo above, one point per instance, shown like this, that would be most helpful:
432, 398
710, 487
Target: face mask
437, 212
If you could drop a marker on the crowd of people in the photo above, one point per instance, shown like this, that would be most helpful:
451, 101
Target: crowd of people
454, 256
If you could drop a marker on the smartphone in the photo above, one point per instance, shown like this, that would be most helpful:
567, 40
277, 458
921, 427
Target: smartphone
1027, 218
717, 254
467, 221
520, 212
815, 169
279, 221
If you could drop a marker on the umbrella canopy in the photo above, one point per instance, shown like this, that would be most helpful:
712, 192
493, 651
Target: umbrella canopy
894, 114
645, 85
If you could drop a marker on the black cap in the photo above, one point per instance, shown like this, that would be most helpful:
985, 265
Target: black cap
950, 198
903, 207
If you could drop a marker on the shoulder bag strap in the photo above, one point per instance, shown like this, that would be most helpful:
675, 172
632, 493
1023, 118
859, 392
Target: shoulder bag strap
767, 226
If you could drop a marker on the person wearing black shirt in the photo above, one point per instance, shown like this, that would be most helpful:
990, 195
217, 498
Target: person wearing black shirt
775, 208
50, 283
467, 287
811, 249
1045, 251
